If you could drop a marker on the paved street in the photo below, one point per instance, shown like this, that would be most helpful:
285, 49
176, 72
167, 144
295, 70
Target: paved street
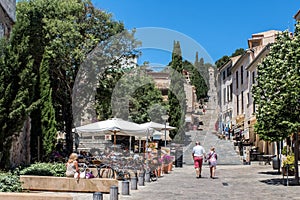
234, 180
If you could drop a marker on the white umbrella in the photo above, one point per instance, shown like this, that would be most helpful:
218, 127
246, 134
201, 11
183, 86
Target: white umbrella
113, 126
157, 126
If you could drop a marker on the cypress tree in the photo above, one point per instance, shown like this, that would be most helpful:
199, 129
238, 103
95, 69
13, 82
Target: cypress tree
176, 95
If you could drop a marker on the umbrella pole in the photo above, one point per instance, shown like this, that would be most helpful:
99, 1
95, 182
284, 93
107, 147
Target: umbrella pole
115, 140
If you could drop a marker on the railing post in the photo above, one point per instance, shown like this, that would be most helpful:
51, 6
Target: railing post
141, 179
113, 193
125, 187
147, 176
133, 182
97, 196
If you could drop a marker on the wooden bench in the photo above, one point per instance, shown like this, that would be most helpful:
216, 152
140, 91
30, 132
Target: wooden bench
65, 184
34, 196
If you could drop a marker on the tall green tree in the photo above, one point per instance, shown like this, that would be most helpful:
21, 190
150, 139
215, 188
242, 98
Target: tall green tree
197, 80
203, 69
48, 122
16, 91
49, 42
277, 92
176, 95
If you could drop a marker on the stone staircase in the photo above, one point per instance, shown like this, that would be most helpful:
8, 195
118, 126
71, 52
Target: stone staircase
207, 136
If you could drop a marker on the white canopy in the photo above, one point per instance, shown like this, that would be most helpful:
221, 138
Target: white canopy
113, 126
157, 126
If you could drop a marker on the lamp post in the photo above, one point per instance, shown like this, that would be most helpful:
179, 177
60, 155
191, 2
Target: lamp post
165, 118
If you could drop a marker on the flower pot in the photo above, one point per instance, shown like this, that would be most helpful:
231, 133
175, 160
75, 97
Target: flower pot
170, 166
165, 168
158, 172
289, 172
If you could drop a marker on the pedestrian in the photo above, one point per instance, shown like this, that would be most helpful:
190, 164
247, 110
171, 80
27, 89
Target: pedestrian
72, 166
198, 155
212, 162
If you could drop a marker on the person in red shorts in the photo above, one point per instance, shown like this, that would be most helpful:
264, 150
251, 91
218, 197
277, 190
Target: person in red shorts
198, 155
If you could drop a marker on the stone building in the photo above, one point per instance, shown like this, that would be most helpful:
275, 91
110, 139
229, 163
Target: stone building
236, 77
7, 16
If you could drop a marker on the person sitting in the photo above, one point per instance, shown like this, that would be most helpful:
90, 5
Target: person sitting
72, 166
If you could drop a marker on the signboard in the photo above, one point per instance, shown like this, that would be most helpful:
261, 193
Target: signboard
107, 137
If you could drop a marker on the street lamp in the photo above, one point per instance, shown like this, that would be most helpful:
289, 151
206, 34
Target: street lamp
165, 118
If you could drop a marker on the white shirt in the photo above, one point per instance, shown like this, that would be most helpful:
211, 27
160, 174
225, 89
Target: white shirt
198, 150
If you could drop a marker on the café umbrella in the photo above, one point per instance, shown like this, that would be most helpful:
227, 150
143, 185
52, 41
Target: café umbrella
115, 126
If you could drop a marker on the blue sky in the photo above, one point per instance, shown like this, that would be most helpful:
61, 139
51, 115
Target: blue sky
219, 26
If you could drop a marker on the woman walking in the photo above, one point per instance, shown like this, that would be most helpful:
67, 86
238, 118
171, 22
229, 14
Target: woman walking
212, 162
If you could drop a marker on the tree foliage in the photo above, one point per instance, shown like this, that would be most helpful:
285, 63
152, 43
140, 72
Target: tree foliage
176, 95
277, 92
196, 80
225, 58
39, 65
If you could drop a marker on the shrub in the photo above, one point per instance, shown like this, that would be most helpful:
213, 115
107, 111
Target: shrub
10, 182
45, 169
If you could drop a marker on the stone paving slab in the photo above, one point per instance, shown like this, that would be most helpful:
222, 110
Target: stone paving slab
259, 182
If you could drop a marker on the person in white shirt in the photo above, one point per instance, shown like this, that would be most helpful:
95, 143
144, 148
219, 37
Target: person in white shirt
198, 155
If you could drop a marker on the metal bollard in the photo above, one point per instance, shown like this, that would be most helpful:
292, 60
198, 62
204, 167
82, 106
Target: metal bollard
113, 193
97, 196
141, 179
147, 176
133, 182
125, 187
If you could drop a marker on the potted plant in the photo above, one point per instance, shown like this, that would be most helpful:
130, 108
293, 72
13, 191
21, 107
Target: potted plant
288, 167
166, 160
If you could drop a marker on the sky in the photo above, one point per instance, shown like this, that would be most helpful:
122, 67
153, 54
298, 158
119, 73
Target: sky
214, 28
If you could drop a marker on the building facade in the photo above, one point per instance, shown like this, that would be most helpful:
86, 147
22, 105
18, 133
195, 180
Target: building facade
236, 78
7, 16
225, 94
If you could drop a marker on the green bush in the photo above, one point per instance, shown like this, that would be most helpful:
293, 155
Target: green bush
45, 169
10, 182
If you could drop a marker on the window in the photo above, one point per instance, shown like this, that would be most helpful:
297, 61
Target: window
224, 95
253, 108
242, 97
248, 98
242, 74
230, 86
237, 79
229, 70
224, 75
253, 77
228, 93
237, 105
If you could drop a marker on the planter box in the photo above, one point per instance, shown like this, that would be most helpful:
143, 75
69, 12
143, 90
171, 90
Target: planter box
290, 172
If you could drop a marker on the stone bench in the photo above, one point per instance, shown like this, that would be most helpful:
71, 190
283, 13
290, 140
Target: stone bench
65, 184
34, 196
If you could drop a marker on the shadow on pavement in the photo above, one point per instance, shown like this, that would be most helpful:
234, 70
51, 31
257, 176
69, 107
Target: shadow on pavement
279, 181
270, 173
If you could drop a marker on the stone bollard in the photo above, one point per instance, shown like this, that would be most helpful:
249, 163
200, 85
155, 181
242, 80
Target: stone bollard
125, 187
113, 193
133, 182
97, 196
147, 176
141, 179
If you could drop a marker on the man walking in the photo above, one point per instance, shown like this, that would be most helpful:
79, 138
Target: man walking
198, 155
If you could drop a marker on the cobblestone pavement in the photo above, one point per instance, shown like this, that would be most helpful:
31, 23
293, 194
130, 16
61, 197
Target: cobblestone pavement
232, 182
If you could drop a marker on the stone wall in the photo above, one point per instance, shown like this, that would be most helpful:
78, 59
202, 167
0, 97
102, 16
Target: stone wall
20, 149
